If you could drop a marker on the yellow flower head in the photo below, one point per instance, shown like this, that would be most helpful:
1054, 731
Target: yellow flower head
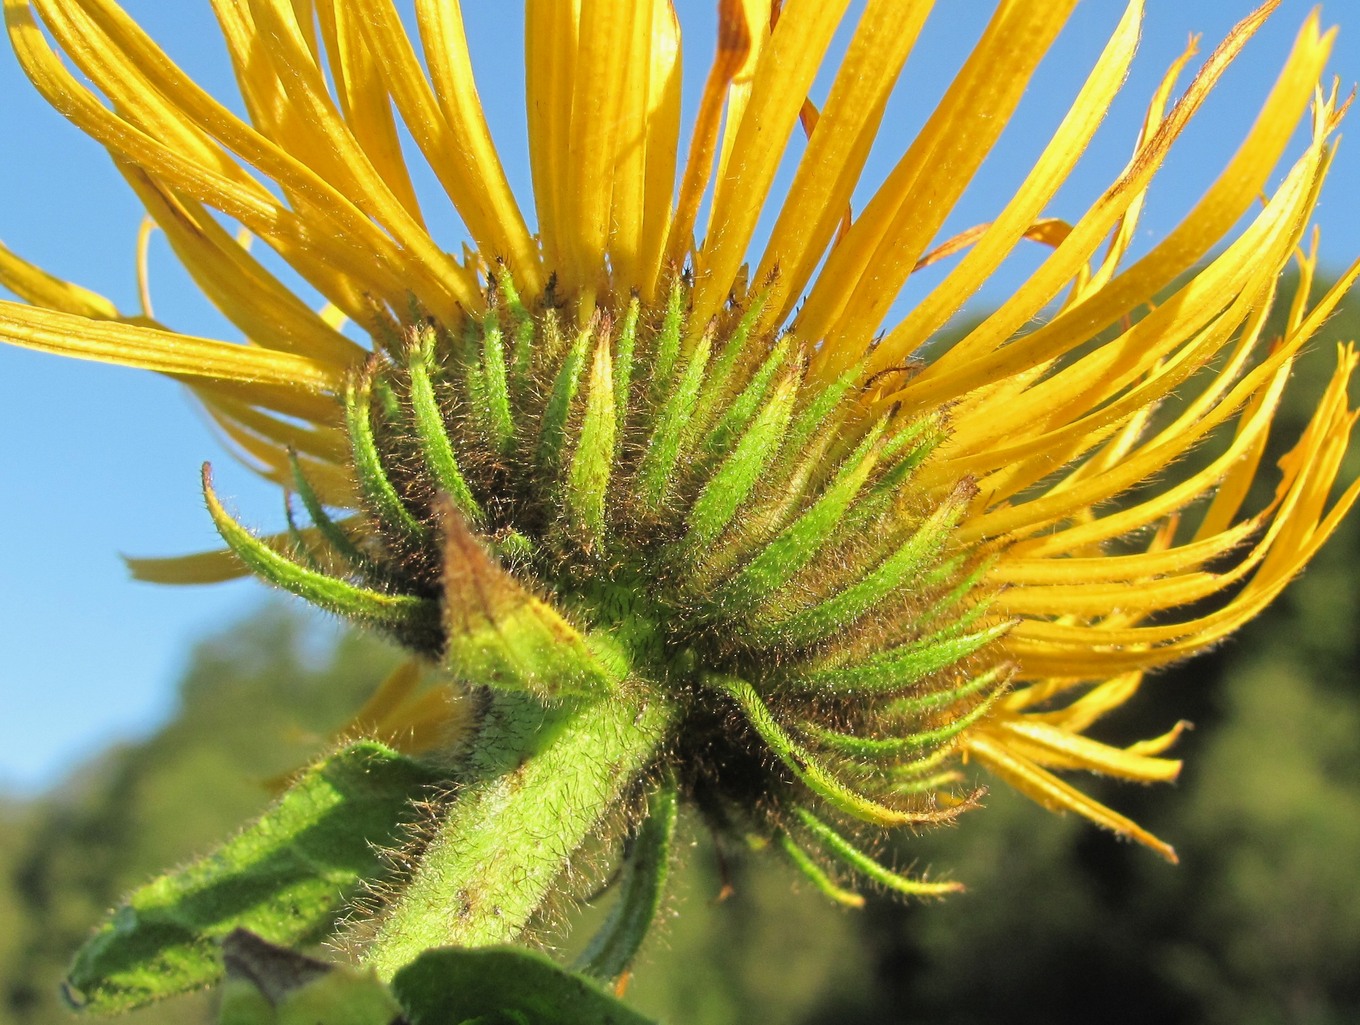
637, 446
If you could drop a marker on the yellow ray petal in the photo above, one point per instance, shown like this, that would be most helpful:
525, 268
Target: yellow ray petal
550, 42
663, 144
1046, 648
1056, 748
1165, 448
983, 356
1123, 234
432, 720
783, 74
220, 565
455, 139
1053, 167
254, 300
342, 238
862, 276
333, 483
200, 568
610, 38
1040, 572
759, 17
362, 96
734, 51
1164, 349
1091, 705
643, 171
1300, 523
837, 150
395, 688
1099, 598
327, 443
163, 351
35, 285
441, 284
1253, 425
1043, 787
144, 232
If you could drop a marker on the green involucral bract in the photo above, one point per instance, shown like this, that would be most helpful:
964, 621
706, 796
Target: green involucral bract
671, 563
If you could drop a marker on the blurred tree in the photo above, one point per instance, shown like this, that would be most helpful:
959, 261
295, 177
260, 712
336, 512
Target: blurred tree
257, 701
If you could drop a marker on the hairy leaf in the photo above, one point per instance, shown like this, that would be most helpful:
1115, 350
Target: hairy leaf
452, 985
286, 877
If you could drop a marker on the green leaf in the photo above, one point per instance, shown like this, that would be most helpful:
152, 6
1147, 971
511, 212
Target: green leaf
896, 669
623, 360
522, 325
553, 434
497, 413
738, 350
913, 558
287, 877
542, 783
453, 986
814, 872
737, 417
331, 532
780, 560
668, 345
896, 747
843, 850
817, 777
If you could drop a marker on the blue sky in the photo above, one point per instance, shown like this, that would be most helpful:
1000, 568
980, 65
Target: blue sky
98, 460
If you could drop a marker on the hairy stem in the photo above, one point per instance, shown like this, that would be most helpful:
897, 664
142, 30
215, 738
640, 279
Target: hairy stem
540, 780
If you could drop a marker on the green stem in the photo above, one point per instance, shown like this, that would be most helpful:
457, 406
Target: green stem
540, 780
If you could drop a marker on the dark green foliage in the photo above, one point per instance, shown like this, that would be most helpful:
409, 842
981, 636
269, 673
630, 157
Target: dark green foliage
271, 985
